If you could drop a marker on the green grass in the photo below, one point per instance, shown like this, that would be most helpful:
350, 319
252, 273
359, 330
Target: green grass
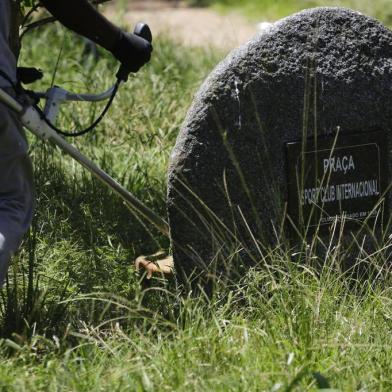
292, 330
274, 9
87, 238
76, 317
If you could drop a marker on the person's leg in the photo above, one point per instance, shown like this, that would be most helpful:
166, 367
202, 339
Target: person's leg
16, 188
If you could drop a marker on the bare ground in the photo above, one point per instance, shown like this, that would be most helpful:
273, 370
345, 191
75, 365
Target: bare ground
190, 26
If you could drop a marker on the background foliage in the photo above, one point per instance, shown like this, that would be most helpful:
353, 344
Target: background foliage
272, 9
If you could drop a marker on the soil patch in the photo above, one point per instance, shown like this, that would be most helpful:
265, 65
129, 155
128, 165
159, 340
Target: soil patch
190, 26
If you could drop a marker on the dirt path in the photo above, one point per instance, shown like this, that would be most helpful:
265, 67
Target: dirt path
190, 26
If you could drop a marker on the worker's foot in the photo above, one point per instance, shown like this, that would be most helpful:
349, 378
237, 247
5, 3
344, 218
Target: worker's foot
157, 263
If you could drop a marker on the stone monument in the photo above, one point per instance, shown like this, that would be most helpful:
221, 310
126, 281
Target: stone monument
286, 136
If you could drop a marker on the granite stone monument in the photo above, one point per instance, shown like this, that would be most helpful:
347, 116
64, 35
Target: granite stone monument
288, 135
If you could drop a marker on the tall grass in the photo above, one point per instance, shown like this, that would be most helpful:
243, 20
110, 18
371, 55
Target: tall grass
74, 316
290, 330
84, 239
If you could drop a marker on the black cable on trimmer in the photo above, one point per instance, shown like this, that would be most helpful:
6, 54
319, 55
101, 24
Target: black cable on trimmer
88, 129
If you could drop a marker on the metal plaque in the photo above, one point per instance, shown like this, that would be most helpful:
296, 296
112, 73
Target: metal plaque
342, 176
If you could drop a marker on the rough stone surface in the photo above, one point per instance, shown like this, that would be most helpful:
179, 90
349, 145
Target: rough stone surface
229, 165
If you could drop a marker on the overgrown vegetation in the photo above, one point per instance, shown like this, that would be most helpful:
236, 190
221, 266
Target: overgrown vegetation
75, 316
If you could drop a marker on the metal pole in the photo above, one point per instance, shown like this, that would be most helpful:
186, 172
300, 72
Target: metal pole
10, 102
32, 121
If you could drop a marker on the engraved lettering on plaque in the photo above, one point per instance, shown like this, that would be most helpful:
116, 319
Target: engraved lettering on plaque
336, 177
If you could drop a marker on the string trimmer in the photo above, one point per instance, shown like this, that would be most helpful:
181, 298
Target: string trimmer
42, 124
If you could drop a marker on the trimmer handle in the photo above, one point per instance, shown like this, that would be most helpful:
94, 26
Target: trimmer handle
142, 30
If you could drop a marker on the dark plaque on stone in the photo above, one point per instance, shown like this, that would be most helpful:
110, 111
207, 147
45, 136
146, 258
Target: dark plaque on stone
338, 177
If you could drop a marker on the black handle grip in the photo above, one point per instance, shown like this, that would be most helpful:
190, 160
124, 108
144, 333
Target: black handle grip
142, 30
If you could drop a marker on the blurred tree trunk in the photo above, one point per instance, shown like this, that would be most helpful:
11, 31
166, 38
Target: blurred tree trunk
16, 20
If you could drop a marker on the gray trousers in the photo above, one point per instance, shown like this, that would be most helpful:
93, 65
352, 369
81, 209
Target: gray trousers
16, 187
